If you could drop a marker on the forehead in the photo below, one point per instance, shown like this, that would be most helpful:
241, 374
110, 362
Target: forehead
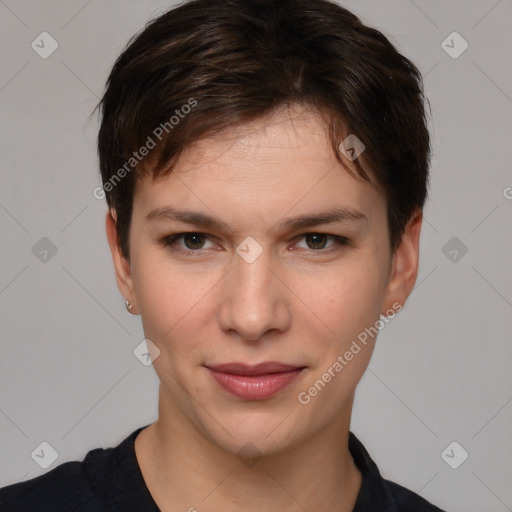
281, 163
293, 128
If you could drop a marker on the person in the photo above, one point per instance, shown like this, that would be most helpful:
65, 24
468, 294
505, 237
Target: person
265, 165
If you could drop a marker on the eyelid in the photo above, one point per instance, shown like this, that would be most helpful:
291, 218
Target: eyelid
338, 241
170, 240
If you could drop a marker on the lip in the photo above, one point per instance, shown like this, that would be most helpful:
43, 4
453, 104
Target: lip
254, 382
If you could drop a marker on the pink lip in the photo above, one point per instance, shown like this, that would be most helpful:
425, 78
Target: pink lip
254, 382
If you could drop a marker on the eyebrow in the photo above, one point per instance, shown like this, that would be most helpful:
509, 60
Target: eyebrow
206, 221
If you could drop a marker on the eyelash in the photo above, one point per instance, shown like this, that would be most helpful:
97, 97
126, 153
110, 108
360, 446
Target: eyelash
170, 241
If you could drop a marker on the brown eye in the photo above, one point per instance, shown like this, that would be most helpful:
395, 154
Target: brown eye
193, 240
316, 240
191, 243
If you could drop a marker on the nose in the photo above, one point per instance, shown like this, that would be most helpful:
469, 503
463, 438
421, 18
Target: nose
254, 300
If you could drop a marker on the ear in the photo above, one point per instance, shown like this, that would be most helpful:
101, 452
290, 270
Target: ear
121, 264
404, 266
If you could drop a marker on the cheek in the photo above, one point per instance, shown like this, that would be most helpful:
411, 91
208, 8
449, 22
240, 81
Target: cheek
348, 305
347, 301
172, 303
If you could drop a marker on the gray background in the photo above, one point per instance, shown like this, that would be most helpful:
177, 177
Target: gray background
441, 371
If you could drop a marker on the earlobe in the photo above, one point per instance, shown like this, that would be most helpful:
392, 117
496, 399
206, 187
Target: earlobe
121, 264
405, 264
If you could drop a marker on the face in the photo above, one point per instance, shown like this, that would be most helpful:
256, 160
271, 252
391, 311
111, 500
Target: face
255, 265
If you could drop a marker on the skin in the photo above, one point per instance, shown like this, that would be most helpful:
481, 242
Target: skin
297, 303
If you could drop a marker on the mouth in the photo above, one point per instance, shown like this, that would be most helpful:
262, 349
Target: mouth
254, 382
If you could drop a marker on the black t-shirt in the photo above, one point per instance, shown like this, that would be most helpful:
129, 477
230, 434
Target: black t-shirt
110, 480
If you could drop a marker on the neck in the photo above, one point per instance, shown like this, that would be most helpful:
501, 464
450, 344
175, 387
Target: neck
184, 470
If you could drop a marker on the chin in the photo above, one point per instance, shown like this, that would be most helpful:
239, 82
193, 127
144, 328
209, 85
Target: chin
255, 434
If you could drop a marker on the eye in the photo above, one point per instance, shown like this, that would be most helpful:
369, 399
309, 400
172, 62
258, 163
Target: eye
193, 241
316, 242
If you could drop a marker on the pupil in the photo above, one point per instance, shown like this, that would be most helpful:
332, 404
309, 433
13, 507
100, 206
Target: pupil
316, 237
198, 240
193, 236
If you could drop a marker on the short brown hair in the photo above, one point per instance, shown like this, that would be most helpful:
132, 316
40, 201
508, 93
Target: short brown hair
233, 61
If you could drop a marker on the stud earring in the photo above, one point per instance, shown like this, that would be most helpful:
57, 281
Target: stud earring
128, 306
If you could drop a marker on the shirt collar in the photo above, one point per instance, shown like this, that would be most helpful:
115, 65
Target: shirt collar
373, 496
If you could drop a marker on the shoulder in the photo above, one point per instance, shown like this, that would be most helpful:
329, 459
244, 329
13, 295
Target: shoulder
106, 479
408, 501
379, 494
65, 487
